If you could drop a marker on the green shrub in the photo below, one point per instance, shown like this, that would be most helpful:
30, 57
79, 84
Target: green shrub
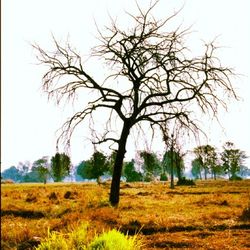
185, 182
149, 177
115, 240
235, 178
163, 177
77, 240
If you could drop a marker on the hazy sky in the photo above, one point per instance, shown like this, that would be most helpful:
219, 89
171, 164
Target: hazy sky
29, 121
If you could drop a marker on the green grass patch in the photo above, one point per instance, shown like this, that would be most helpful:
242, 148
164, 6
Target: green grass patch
78, 240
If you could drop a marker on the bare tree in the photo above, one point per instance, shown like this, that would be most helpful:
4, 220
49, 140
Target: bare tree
153, 78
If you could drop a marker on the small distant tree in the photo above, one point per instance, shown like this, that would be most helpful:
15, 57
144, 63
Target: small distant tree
95, 167
79, 170
196, 168
151, 165
178, 163
60, 166
232, 159
130, 172
41, 166
12, 173
244, 171
207, 157
24, 167
173, 159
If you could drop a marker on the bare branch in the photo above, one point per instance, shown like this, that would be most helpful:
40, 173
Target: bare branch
157, 78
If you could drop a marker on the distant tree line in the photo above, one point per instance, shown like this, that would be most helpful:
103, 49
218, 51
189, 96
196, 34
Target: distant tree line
207, 162
41, 170
228, 162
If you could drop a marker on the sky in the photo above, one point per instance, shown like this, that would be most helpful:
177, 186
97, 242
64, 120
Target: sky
29, 121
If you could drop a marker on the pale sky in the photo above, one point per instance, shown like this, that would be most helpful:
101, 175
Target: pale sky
29, 121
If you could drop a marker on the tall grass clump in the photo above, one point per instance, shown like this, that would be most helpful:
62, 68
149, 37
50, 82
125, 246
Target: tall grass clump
54, 241
77, 240
115, 240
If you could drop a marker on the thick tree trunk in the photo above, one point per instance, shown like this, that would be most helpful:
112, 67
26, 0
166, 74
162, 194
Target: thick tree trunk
117, 171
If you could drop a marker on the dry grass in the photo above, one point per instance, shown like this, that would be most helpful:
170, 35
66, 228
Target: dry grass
210, 215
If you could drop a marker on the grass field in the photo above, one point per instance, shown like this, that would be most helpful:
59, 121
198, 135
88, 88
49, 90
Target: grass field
210, 215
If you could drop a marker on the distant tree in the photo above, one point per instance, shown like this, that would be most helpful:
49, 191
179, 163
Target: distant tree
60, 166
41, 166
178, 163
173, 162
151, 165
24, 167
153, 77
12, 173
32, 176
232, 159
95, 167
79, 171
207, 157
217, 169
244, 171
197, 168
130, 172
169, 145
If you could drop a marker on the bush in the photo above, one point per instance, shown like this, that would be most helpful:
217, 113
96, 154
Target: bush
77, 240
163, 177
114, 240
185, 182
235, 178
149, 177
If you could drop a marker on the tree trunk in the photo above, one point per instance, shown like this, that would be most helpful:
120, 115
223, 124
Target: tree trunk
205, 172
117, 171
200, 174
98, 180
172, 177
172, 166
215, 177
178, 170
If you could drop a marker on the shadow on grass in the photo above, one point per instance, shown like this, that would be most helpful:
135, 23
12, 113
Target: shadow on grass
202, 193
23, 213
171, 244
135, 227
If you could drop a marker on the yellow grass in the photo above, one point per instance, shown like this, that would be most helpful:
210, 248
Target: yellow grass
206, 216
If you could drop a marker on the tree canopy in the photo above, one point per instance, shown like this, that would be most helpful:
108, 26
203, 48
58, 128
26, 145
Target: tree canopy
60, 166
232, 159
95, 167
